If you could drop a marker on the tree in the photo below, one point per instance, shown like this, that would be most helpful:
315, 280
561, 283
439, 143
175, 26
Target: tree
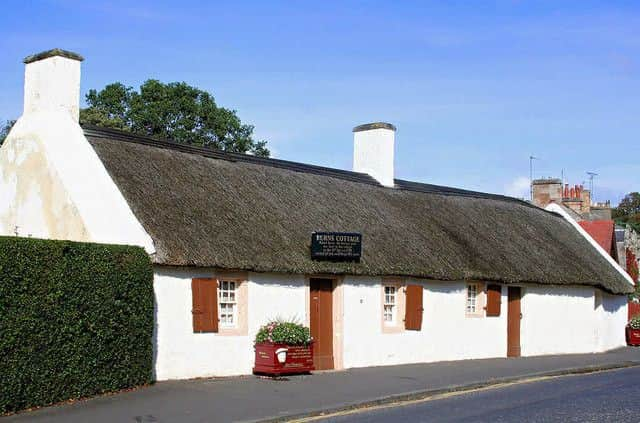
175, 111
628, 211
4, 131
630, 205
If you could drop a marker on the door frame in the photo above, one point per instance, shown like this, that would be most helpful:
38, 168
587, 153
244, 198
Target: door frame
337, 299
521, 288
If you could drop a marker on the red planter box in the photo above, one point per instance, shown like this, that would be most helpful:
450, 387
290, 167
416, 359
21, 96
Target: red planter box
299, 359
633, 337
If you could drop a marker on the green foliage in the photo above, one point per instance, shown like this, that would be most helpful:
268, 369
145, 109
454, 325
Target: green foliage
175, 111
4, 130
630, 205
76, 319
633, 221
628, 211
635, 323
280, 332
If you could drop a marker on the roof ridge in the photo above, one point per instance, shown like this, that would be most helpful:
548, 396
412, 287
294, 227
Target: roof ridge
460, 192
100, 132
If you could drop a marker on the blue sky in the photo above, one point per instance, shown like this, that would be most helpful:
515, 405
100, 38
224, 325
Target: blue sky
473, 87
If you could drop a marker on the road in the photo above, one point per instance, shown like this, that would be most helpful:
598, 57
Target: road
612, 396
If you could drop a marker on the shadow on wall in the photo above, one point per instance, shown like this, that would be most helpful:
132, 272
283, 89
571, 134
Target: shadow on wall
611, 303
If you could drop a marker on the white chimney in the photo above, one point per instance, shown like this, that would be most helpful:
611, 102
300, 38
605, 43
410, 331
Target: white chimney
373, 150
52, 82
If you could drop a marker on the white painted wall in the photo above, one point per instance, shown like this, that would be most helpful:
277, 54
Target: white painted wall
53, 84
612, 315
373, 153
563, 320
180, 353
556, 320
447, 334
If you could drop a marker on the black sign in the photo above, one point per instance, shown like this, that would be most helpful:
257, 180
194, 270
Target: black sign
336, 246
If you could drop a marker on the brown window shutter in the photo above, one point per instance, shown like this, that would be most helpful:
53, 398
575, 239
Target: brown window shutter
205, 304
413, 316
494, 300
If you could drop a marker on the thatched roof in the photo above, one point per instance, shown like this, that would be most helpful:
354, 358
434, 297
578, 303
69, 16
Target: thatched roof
232, 211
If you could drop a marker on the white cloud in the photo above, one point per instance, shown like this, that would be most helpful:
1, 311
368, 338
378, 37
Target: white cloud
518, 188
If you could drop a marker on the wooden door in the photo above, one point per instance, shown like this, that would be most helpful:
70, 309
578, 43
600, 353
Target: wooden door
513, 322
321, 310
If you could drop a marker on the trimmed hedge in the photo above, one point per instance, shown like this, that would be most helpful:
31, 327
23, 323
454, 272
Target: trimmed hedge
76, 319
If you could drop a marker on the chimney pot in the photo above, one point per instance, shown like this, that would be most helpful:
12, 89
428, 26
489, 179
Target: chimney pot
373, 151
52, 82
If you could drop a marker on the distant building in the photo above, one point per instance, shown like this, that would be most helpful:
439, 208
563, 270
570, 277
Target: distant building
603, 232
575, 200
622, 244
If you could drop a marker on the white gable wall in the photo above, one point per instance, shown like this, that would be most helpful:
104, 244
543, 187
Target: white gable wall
53, 185
33, 199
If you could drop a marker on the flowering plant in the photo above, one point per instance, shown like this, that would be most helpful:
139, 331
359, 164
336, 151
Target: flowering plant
279, 332
635, 323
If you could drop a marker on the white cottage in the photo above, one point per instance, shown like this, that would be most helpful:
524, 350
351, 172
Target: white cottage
445, 273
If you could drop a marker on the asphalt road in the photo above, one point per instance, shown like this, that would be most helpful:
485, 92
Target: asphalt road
611, 396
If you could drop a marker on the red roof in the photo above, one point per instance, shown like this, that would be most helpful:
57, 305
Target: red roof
602, 231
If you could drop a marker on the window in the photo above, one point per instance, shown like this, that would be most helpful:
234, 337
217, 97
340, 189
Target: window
476, 301
228, 307
472, 298
390, 305
220, 305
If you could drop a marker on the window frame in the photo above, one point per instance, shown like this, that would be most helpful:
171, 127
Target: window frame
396, 325
222, 302
241, 326
393, 304
480, 299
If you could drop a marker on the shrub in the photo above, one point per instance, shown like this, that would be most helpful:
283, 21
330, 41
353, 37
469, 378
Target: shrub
76, 319
289, 333
635, 323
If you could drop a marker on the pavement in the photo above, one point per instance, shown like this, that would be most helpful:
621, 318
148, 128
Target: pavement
610, 396
254, 399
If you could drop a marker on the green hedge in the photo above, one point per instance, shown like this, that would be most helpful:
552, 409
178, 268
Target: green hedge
76, 319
